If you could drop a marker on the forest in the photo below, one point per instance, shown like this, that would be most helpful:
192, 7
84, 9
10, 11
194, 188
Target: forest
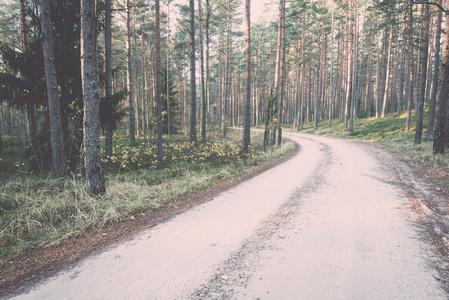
77, 76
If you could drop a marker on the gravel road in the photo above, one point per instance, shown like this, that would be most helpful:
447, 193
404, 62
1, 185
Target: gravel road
339, 220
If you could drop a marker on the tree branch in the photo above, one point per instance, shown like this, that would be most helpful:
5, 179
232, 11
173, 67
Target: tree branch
433, 3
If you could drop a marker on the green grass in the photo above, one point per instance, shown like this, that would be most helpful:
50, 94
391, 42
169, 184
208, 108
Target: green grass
37, 211
390, 133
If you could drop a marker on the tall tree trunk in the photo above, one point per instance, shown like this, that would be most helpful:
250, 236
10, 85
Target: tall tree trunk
331, 98
349, 72
401, 71
144, 79
23, 24
316, 116
441, 127
134, 76
207, 25
227, 76
32, 122
378, 74
108, 75
129, 77
57, 146
168, 70
247, 121
160, 155
411, 70
368, 79
353, 108
203, 87
387, 72
423, 74
192, 74
273, 103
282, 75
436, 73
91, 96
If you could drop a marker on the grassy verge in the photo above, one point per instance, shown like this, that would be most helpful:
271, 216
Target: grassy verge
37, 211
390, 133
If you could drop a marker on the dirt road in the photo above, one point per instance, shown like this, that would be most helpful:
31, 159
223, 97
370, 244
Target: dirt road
340, 220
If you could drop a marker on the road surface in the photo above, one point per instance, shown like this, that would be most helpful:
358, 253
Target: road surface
339, 220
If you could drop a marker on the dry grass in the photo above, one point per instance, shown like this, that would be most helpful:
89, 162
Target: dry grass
36, 211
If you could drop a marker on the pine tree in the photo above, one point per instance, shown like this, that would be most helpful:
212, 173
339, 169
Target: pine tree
57, 146
91, 96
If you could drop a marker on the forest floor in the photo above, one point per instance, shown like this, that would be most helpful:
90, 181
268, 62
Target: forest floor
338, 219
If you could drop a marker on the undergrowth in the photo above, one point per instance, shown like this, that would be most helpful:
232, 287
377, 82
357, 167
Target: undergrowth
37, 211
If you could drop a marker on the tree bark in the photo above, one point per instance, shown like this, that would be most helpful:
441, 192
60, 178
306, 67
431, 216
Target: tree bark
32, 122
192, 74
410, 69
316, 116
129, 77
227, 72
353, 108
331, 98
108, 75
401, 71
247, 121
368, 79
168, 69
282, 75
203, 87
436, 73
91, 96
349, 72
423, 74
441, 127
160, 155
57, 146
387, 73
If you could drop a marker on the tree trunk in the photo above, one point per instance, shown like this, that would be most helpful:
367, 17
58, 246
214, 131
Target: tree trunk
160, 155
207, 24
441, 127
23, 24
203, 87
316, 116
57, 146
378, 75
368, 79
354, 50
277, 74
410, 70
331, 98
129, 77
387, 72
168, 70
108, 75
349, 73
282, 75
227, 72
423, 74
91, 96
32, 122
401, 71
192, 74
144, 79
247, 121
436, 73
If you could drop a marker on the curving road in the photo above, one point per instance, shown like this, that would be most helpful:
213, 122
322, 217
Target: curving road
339, 220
